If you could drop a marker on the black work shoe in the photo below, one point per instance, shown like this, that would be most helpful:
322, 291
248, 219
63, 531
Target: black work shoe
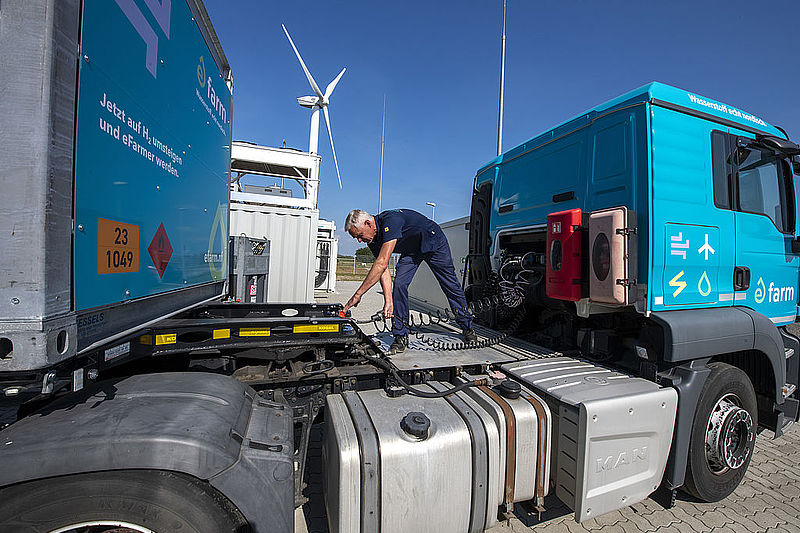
470, 336
399, 345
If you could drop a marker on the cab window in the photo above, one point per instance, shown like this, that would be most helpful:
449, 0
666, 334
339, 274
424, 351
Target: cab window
752, 179
763, 187
722, 168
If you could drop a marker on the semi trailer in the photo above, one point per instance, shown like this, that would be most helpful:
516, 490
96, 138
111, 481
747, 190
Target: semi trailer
634, 254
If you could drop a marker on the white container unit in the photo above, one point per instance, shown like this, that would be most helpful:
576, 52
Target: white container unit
263, 209
292, 235
327, 251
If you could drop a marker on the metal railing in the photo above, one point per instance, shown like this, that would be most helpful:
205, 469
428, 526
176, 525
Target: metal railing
351, 268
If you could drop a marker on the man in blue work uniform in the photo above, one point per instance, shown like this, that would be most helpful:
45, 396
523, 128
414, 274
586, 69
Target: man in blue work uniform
416, 238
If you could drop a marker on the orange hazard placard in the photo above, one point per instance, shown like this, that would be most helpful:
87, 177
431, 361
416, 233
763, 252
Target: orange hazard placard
117, 247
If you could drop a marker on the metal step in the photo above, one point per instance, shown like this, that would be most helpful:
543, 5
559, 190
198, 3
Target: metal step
423, 355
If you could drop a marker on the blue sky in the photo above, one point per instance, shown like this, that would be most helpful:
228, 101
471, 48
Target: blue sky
438, 64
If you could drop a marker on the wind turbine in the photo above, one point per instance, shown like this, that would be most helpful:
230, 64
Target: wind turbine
315, 103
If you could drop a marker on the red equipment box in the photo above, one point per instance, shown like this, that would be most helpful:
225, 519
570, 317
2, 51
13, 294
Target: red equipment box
564, 258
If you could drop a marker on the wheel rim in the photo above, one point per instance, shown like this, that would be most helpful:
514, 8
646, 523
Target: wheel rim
729, 435
97, 526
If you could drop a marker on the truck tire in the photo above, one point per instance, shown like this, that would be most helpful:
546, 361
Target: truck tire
118, 501
723, 434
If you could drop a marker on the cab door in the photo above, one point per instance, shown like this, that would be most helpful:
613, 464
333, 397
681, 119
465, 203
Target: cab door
693, 202
765, 224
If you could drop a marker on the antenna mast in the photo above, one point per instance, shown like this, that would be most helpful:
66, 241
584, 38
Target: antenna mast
502, 84
383, 131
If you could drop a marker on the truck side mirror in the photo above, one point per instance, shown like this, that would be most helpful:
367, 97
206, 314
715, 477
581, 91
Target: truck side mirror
740, 154
778, 145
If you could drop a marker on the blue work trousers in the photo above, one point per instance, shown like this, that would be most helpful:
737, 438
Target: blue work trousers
441, 264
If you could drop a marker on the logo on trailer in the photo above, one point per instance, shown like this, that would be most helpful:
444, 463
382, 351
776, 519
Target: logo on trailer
160, 250
214, 259
201, 72
162, 13
211, 102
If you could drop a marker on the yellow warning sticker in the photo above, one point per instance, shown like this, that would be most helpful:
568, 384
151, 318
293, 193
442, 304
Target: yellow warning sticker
316, 328
254, 332
169, 338
117, 247
222, 334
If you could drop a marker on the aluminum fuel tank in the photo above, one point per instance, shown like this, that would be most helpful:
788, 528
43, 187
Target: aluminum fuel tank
524, 424
393, 464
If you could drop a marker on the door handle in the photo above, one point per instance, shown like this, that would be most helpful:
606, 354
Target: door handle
741, 278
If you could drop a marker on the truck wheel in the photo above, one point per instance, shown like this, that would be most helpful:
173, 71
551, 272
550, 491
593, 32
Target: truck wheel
142, 501
723, 434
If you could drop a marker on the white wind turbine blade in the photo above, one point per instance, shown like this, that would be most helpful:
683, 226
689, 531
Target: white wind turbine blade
302, 64
330, 136
332, 85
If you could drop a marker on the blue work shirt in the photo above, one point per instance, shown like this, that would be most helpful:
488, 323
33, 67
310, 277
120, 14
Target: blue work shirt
415, 233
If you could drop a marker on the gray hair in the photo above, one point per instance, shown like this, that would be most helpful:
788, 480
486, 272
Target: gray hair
356, 219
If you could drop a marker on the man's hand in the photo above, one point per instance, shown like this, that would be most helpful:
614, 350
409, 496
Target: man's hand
388, 309
352, 302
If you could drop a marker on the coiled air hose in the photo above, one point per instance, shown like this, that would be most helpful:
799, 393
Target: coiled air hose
443, 345
417, 321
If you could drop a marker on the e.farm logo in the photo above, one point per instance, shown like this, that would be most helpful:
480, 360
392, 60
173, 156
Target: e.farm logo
216, 261
213, 104
760, 291
772, 293
201, 72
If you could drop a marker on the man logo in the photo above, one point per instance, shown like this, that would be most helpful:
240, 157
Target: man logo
201, 72
595, 380
613, 462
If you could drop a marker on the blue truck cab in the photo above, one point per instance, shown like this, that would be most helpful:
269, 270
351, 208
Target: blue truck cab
681, 255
